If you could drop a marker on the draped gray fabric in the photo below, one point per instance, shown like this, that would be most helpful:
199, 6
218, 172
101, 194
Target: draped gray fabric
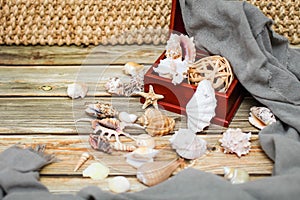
266, 67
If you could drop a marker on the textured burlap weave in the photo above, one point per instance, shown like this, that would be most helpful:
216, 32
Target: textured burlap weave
59, 22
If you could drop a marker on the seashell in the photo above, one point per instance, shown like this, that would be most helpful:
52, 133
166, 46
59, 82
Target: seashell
111, 123
101, 110
115, 86
126, 117
235, 141
76, 90
156, 172
156, 122
119, 184
100, 143
84, 157
140, 156
96, 171
145, 140
236, 176
133, 68
261, 117
123, 147
201, 107
187, 144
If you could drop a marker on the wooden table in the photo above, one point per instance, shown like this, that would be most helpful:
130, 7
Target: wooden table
35, 109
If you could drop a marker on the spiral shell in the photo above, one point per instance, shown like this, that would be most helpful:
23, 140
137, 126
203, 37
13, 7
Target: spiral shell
84, 157
123, 147
156, 122
235, 141
153, 173
111, 123
101, 110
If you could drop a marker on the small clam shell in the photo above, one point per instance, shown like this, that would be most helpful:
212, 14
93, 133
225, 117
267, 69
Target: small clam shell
126, 117
145, 140
133, 68
235, 175
119, 184
84, 157
140, 156
261, 117
76, 90
96, 171
156, 172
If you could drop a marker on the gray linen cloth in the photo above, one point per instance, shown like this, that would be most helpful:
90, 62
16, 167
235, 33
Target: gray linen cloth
264, 65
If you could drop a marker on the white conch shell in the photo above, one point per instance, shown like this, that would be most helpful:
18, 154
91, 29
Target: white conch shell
201, 107
119, 184
96, 171
261, 117
236, 176
187, 144
140, 156
133, 68
76, 90
235, 141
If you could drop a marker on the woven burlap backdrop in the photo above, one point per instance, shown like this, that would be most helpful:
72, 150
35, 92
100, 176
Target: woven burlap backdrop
59, 22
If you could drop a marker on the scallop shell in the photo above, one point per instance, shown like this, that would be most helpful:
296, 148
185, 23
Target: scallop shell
96, 171
119, 184
84, 157
101, 110
123, 147
236, 176
187, 144
201, 107
145, 140
235, 141
156, 172
76, 90
133, 68
261, 117
156, 122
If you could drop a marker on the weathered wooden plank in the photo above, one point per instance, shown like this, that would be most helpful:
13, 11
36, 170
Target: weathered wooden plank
74, 55
57, 115
30, 81
69, 148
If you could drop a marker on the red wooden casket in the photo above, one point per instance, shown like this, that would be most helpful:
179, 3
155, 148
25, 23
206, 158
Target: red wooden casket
177, 96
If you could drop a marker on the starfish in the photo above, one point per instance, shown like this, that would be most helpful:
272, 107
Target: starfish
150, 98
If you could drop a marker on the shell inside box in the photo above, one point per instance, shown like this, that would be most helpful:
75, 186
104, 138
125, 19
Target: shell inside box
176, 97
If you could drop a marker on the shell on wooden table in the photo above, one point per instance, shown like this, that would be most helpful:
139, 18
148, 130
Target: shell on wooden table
111, 123
133, 68
83, 158
156, 172
76, 90
145, 140
156, 122
187, 144
119, 184
101, 110
100, 143
127, 117
235, 175
96, 171
201, 107
114, 86
261, 117
235, 141
140, 156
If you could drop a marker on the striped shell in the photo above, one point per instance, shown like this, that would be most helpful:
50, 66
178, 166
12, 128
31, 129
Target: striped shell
123, 147
153, 173
156, 122
101, 110
111, 123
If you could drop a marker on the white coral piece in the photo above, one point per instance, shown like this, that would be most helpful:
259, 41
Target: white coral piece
235, 141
